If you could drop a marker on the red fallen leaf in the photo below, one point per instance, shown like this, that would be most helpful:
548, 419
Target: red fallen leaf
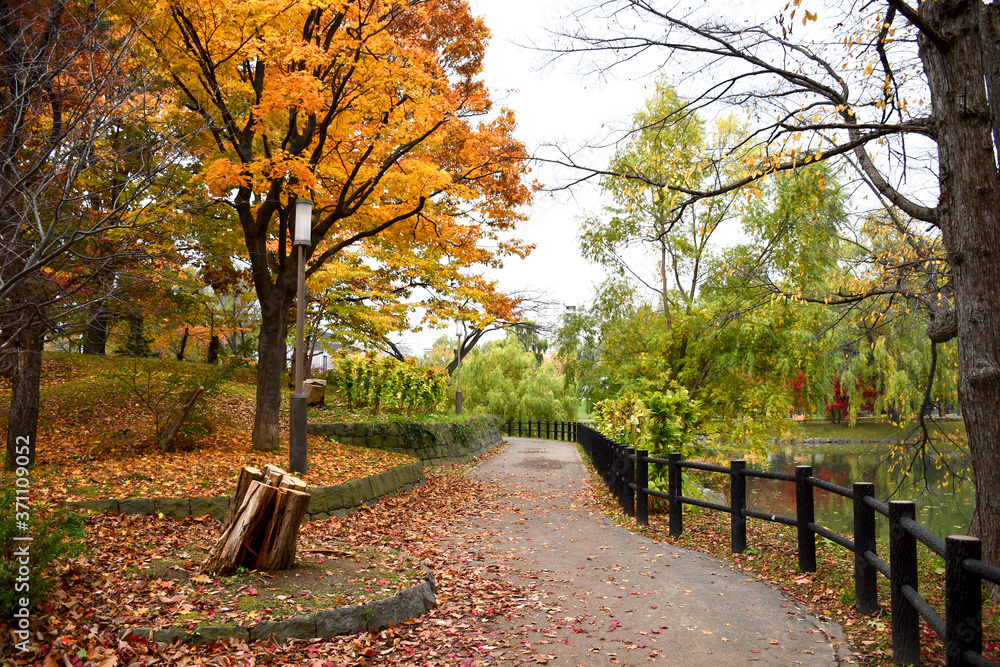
755, 650
251, 591
655, 607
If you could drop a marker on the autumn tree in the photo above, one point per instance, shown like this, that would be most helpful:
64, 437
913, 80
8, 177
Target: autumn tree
368, 108
81, 163
898, 90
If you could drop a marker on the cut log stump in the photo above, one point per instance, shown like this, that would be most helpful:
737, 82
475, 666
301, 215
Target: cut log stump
262, 525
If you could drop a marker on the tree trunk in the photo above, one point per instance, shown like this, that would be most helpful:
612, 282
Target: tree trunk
168, 434
22, 427
96, 337
966, 128
137, 345
184, 342
212, 356
665, 292
270, 366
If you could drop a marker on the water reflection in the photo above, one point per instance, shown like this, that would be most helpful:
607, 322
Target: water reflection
944, 501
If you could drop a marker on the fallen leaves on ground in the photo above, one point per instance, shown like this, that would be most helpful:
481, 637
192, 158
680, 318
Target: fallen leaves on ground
829, 592
95, 439
103, 592
208, 472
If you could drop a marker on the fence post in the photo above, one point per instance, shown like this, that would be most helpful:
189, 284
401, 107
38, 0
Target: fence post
738, 503
805, 514
865, 574
641, 484
631, 495
616, 470
519, 428
963, 618
675, 491
548, 433
608, 457
903, 571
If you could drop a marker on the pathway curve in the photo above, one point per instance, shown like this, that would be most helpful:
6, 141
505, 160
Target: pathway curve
606, 595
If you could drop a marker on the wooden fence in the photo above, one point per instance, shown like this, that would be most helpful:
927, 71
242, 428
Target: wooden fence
565, 431
626, 471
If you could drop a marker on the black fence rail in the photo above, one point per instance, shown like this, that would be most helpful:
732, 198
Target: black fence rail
564, 431
626, 471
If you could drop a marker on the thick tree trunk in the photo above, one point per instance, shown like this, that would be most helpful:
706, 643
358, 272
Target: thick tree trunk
270, 366
137, 345
22, 427
95, 339
965, 127
212, 356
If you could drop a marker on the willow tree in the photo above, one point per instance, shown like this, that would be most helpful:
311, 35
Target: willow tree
904, 92
368, 108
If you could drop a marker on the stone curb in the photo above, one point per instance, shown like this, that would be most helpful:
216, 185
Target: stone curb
434, 444
328, 501
374, 616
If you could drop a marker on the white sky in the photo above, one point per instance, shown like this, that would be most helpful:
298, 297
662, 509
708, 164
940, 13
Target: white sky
565, 104
554, 104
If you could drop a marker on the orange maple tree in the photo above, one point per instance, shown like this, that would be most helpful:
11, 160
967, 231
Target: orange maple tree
370, 108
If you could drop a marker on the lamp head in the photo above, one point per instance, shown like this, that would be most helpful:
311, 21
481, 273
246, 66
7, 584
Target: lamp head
303, 222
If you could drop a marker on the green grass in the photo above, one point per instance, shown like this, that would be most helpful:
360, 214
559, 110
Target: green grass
867, 429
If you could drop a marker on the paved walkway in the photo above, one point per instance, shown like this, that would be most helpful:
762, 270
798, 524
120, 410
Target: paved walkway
609, 596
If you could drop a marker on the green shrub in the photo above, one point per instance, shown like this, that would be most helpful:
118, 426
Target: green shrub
388, 384
659, 421
58, 533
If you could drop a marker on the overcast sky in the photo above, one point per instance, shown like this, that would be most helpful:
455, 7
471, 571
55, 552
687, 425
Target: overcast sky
558, 103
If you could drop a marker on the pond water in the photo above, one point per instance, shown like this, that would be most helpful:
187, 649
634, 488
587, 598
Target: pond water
940, 484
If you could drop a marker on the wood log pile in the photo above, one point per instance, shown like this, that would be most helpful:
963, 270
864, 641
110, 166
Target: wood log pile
262, 525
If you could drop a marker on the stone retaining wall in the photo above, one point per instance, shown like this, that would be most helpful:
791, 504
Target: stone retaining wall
339, 500
432, 443
369, 617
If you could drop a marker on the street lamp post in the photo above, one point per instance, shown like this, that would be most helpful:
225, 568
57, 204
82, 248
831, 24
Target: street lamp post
302, 239
460, 335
